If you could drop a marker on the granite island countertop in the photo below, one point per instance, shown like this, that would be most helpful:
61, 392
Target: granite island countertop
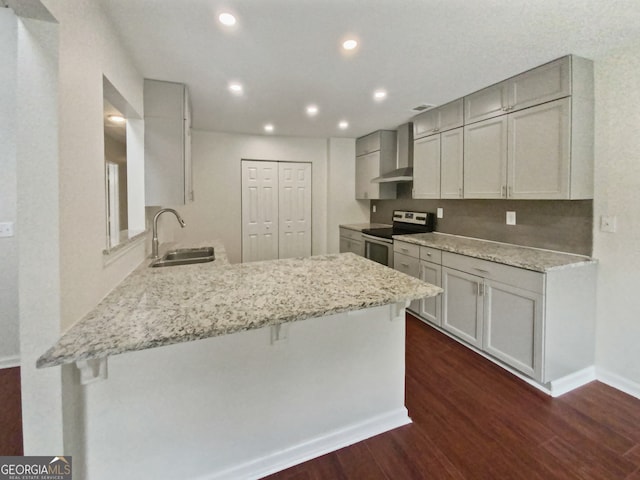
529, 258
153, 307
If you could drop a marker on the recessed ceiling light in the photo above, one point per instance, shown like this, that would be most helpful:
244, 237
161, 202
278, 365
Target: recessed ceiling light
116, 118
350, 44
235, 88
379, 95
343, 125
312, 110
268, 128
227, 19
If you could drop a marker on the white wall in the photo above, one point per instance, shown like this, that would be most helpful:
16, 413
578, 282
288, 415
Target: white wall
341, 191
617, 192
195, 410
89, 49
9, 322
216, 211
38, 230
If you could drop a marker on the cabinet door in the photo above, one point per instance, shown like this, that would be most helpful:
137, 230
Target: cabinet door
462, 305
542, 84
451, 162
425, 124
356, 247
426, 167
410, 266
486, 103
368, 143
485, 159
539, 151
430, 308
513, 327
365, 171
451, 115
344, 245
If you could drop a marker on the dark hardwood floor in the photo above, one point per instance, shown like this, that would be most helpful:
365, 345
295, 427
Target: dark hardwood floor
473, 420
10, 412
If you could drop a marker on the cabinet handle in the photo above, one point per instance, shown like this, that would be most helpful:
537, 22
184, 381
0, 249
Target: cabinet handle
504, 191
405, 265
510, 191
481, 270
405, 250
481, 289
478, 289
428, 254
460, 192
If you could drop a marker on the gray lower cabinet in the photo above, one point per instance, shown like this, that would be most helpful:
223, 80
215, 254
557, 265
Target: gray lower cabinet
410, 266
351, 241
541, 324
430, 308
462, 305
513, 326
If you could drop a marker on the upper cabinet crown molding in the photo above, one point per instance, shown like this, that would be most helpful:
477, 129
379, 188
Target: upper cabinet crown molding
167, 144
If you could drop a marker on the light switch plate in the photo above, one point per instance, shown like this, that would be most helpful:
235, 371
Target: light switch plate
440, 213
511, 218
608, 223
6, 229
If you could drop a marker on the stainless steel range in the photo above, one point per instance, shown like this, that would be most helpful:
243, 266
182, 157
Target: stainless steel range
378, 242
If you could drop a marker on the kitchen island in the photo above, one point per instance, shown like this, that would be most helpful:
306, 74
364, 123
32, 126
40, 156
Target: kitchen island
294, 358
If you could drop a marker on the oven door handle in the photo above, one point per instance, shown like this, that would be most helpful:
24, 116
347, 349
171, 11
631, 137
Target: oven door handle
377, 239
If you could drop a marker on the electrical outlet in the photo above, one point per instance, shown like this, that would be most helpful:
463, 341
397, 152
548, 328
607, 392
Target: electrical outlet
373, 208
511, 218
440, 213
608, 223
6, 229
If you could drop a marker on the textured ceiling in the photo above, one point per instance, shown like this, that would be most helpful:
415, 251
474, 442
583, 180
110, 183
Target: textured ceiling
287, 53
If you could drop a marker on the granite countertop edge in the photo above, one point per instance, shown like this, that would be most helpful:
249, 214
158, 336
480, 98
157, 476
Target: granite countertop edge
155, 307
528, 258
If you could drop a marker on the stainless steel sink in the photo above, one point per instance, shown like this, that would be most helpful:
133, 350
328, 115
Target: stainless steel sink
185, 256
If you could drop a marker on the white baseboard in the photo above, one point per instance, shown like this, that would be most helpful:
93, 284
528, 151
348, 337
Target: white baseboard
618, 382
275, 462
571, 382
9, 362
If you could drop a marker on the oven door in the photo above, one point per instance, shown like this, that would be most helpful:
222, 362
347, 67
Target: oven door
378, 249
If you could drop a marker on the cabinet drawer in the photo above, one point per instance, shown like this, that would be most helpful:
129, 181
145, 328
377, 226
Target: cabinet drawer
431, 255
405, 248
351, 234
406, 264
517, 277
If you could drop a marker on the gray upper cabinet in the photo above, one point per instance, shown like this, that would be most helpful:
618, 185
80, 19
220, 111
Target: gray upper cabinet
426, 167
485, 159
440, 119
451, 163
539, 85
167, 144
487, 103
540, 147
375, 155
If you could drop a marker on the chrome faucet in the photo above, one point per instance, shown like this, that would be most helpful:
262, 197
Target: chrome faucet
154, 243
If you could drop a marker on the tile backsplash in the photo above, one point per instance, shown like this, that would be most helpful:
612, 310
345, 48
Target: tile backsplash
563, 225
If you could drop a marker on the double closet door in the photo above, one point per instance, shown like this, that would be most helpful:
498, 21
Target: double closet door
276, 210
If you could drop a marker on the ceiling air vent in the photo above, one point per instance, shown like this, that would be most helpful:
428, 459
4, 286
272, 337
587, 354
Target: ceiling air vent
423, 107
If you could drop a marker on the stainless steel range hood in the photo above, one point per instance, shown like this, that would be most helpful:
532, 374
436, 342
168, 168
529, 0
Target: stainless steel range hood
404, 158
